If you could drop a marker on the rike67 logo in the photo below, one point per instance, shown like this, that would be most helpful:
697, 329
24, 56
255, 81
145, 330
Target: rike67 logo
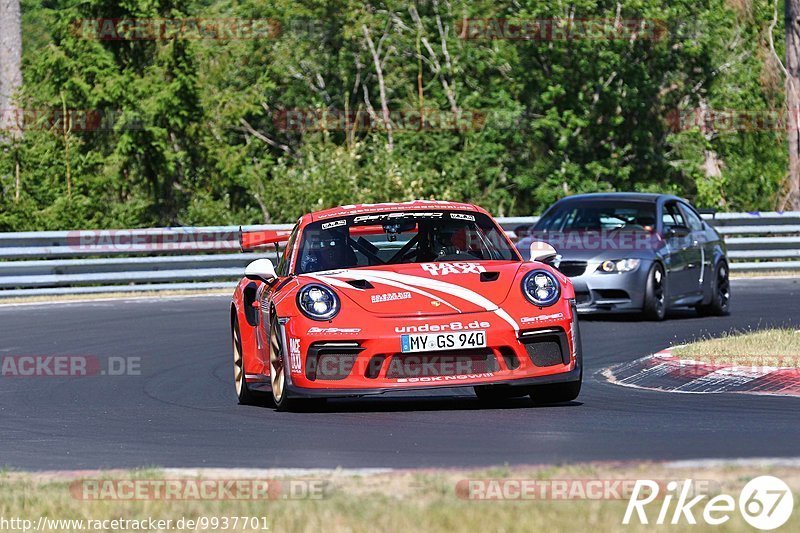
765, 503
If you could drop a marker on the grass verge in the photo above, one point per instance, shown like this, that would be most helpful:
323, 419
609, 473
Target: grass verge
746, 348
418, 500
766, 274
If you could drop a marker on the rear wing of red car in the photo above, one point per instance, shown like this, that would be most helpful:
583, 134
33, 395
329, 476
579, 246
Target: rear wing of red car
250, 240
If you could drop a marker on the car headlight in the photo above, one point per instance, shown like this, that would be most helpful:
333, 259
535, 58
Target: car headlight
619, 265
318, 302
541, 288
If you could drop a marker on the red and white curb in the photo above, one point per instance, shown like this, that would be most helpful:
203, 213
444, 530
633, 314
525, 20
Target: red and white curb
664, 372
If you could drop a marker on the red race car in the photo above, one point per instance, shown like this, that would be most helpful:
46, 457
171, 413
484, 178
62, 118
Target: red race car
373, 298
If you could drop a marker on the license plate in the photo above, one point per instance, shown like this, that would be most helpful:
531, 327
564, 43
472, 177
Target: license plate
433, 342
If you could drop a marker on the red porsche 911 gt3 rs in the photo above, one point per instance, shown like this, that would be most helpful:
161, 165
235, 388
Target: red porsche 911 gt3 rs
373, 298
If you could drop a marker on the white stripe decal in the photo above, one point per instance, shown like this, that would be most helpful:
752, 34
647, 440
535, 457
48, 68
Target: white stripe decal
441, 286
338, 283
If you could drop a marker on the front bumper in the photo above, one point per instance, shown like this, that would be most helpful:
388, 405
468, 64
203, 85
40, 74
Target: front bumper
565, 377
548, 351
600, 292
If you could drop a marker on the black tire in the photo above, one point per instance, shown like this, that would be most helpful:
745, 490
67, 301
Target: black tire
499, 393
244, 394
720, 293
556, 392
655, 299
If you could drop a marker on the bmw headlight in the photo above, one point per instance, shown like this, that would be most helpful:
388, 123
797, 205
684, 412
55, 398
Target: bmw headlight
541, 288
318, 302
619, 265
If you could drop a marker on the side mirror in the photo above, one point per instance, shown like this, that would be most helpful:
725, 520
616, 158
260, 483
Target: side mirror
260, 270
542, 252
678, 231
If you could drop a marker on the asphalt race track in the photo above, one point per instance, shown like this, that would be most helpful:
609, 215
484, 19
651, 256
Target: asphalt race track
181, 411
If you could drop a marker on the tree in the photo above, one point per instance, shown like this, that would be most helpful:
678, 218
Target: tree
10, 59
792, 19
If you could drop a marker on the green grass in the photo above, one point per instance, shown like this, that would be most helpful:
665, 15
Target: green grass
769, 347
421, 500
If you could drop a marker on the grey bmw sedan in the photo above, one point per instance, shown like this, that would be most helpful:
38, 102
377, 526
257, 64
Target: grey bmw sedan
636, 252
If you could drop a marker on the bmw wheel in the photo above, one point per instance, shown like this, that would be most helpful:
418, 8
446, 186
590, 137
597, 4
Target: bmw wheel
655, 300
720, 293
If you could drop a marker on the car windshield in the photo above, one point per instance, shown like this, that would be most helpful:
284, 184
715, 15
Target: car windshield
594, 215
401, 237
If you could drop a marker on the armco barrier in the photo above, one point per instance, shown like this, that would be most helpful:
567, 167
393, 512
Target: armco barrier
75, 262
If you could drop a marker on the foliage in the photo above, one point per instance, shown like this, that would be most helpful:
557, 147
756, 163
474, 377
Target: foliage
196, 130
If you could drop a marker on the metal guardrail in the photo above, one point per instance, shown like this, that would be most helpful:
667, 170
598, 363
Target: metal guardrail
75, 262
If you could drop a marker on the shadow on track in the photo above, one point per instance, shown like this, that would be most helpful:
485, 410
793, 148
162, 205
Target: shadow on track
418, 403
672, 314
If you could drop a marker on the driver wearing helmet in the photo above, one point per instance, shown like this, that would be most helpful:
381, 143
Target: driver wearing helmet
328, 250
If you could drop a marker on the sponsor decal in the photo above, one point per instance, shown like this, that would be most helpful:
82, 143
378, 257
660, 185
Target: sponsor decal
462, 216
392, 216
433, 379
443, 269
541, 318
294, 355
433, 328
573, 325
331, 273
314, 330
375, 208
334, 224
390, 297
765, 503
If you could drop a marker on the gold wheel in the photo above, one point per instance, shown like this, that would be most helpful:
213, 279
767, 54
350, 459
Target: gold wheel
238, 362
276, 369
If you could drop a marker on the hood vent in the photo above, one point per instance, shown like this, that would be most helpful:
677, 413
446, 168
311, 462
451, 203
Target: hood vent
360, 284
489, 276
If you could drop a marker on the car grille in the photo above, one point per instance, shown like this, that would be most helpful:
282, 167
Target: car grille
572, 268
547, 348
329, 362
582, 297
429, 364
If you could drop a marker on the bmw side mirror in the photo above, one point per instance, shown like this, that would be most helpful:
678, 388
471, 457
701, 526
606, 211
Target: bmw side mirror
260, 270
542, 252
678, 231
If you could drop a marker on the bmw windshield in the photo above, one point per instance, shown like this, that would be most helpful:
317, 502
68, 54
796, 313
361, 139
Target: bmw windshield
599, 215
401, 237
